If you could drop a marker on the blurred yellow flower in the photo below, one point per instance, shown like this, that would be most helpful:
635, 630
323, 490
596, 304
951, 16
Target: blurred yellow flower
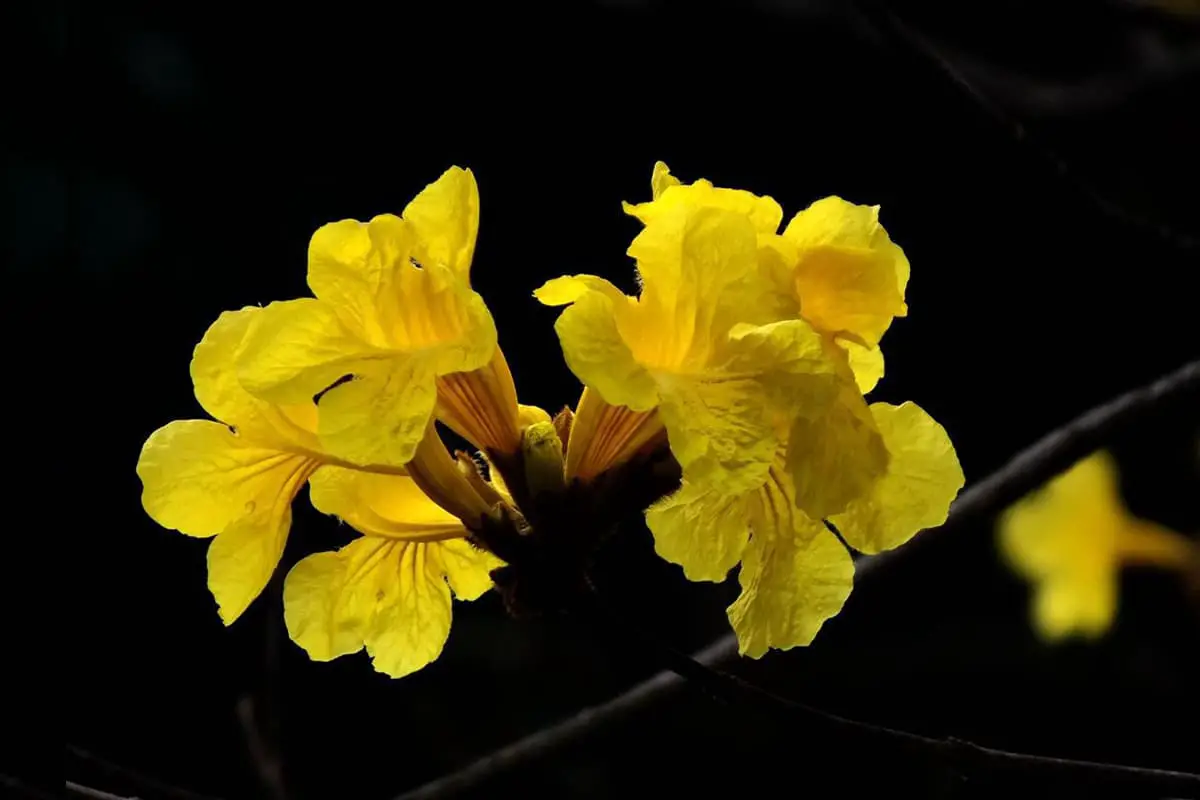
394, 310
1070, 540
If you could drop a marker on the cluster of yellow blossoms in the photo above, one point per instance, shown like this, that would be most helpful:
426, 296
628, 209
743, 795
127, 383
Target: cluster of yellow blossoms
747, 353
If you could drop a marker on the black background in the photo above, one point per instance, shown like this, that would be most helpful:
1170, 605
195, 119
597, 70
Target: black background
207, 143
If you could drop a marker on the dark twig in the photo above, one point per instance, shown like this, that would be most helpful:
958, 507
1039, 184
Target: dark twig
571, 729
1030, 468
259, 712
98, 794
1059, 449
1153, 63
970, 758
133, 776
880, 19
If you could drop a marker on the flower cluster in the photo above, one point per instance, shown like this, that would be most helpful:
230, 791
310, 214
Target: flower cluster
753, 349
743, 361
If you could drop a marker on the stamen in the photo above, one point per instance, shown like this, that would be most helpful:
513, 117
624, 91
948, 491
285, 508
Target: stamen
436, 473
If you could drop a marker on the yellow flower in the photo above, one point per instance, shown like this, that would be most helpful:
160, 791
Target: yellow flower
395, 311
835, 268
795, 574
804, 312
390, 590
698, 345
234, 479
1070, 540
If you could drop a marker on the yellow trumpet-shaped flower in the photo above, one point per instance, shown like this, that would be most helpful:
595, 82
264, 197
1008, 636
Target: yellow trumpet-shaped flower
834, 268
234, 479
811, 305
697, 346
1070, 540
390, 590
395, 312
795, 573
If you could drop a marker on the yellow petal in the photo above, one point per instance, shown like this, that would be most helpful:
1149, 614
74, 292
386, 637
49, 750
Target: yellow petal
865, 362
387, 594
445, 218
671, 197
199, 477
323, 615
351, 266
923, 477
850, 278
722, 422
439, 314
790, 359
333, 602
719, 430
214, 376
379, 417
1082, 603
1065, 538
468, 568
699, 279
366, 275
661, 179
716, 377
1071, 524
297, 349
215, 379
412, 614
795, 575
702, 530
242, 559
381, 505
566, 289
592, 344
836, 457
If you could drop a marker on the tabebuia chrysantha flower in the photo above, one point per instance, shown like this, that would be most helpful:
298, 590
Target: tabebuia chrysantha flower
725, 401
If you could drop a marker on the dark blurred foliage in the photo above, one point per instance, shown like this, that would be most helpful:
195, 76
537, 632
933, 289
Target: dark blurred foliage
204, 143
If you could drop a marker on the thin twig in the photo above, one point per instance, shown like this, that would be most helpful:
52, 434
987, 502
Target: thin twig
880, 18
575, 727
259, 711
970, 758
97, 794
1027, 470
135, 777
